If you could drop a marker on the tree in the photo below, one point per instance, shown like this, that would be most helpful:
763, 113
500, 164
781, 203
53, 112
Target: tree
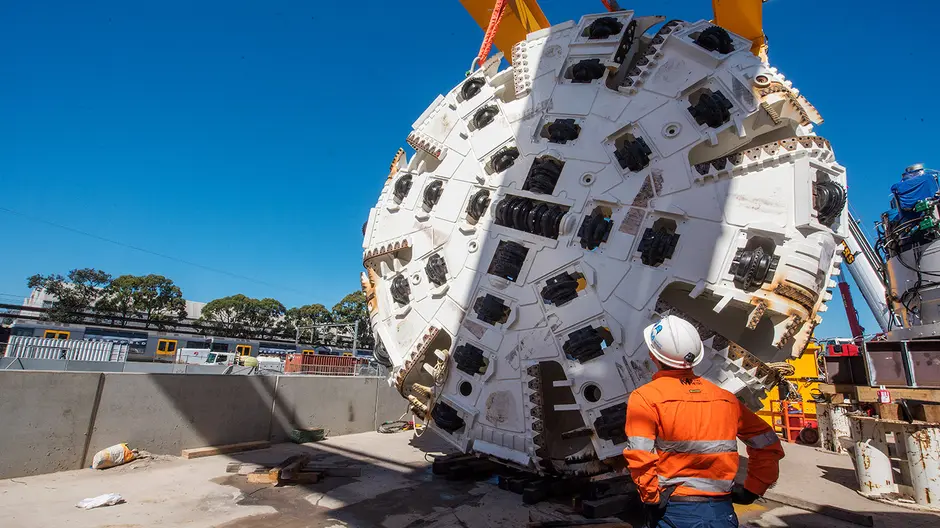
351, 309
303, 316
153, 298
263, 316
241, 316
76, 293
227, 316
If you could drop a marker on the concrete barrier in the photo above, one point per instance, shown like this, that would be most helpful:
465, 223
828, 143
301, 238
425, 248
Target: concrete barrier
341, 404
54, 421
166, 413
44, 420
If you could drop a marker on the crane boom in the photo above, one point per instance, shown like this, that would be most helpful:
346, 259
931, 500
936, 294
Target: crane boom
867, 270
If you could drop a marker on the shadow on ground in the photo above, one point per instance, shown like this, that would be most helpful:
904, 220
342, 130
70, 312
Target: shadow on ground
842, 476
396, 489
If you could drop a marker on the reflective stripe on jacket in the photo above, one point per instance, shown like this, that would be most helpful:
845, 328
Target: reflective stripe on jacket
682, 430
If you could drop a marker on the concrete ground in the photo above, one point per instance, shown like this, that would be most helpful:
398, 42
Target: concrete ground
395, 490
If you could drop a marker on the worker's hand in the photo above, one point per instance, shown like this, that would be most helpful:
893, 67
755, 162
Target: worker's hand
742, 495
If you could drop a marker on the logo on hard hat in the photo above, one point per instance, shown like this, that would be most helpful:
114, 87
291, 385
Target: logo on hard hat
656, 330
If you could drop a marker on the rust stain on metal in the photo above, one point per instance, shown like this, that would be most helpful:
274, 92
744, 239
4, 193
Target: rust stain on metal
393, 168
632, 222
642, 198
657, 182
922, 437
414, 359
499, 407
801, 296
756, 314
794, 324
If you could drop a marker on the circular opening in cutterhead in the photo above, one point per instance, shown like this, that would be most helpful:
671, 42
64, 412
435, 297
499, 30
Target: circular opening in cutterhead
672, 130
592, 393
466, 388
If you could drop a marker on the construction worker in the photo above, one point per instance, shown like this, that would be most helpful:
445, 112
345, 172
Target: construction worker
681, 431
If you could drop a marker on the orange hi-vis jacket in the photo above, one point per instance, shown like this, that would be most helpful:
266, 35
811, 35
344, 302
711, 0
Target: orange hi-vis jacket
681, 431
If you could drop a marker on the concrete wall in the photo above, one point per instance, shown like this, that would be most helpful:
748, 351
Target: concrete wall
54, 421
165, 413
44, 420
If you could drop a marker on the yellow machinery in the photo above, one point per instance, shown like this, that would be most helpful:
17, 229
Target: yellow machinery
521, 17
805, 377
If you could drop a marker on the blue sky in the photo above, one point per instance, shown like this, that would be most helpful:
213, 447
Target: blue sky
252, 137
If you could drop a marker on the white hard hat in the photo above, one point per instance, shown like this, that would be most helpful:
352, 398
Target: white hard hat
674, 342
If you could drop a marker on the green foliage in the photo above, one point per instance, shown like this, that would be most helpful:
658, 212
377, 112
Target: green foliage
353, 308
241, 316
153, 298
154, 301
76, 293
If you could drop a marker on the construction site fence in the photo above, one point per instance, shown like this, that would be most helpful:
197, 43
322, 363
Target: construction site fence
321, 365
63, 349
337, 368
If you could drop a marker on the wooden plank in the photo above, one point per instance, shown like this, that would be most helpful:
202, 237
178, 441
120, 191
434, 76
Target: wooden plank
926, 412
822, 509
887, 411
262, 476
870, 394
288, 468
199, 452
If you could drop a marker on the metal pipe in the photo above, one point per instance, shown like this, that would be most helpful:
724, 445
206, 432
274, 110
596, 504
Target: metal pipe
872, 464
833, 425
923, 459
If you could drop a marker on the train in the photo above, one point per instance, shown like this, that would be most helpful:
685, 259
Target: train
163, 345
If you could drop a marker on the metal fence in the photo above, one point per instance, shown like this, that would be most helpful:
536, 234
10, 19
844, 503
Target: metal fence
40, 357
320, 365
65, 349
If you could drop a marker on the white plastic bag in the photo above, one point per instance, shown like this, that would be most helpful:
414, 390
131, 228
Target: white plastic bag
108, 499
113, 456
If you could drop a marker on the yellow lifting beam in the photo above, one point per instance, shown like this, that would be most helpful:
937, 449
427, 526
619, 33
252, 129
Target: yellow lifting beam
743, 17
521, 18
